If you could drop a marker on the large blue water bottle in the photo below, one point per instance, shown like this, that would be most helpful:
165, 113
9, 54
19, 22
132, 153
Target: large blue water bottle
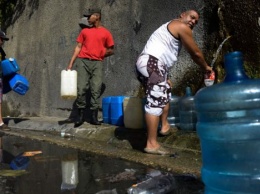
229, 130
188, 117
173, 116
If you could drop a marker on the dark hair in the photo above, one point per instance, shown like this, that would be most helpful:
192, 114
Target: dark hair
193, 10
188, 11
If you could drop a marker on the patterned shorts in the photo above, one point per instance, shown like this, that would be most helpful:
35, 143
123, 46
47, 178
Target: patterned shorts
152, 73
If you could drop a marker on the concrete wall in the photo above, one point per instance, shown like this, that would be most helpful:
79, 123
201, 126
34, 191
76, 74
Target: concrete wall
42, 39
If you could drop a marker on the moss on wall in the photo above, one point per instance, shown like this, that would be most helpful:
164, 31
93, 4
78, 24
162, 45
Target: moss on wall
238, 19
7, 8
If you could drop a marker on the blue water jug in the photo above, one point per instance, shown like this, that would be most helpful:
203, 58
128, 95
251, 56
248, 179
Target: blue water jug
20, 162
188, 116
173, 116
19, 84
229, 130
117, 110
9, 66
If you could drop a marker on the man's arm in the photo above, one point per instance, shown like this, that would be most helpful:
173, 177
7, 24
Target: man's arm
184, 33
74, 56
189, 44
109, 51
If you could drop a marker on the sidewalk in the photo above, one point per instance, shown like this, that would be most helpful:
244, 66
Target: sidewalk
114, 141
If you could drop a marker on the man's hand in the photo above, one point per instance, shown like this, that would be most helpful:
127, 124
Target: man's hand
208, 69
69, 67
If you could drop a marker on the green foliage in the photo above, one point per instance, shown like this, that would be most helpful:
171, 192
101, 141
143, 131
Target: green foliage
6, 12
252, 71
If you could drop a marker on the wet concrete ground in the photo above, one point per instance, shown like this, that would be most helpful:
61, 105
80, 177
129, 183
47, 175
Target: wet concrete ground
114, 141
52, 170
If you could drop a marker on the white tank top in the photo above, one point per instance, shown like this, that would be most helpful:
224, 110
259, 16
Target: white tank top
163, 45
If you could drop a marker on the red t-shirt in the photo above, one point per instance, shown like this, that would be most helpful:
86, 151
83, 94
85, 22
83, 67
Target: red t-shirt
94, 42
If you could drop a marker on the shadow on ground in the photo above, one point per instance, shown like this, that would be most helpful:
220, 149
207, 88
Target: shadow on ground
14, 119
136, 137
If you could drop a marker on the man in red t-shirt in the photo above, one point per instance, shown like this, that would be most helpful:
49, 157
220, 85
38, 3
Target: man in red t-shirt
93, 45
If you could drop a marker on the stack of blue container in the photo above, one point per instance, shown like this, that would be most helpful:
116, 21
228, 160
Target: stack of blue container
173, 116
11, 79
112, 110
188, 116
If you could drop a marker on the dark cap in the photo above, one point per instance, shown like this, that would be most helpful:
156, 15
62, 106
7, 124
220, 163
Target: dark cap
3, 36
83, 23
89, 12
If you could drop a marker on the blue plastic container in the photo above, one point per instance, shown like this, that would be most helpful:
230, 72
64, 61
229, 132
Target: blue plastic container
174, 115
117, 110
106, 110
229, 130
19, 84
188, 116
9, 66
20, 162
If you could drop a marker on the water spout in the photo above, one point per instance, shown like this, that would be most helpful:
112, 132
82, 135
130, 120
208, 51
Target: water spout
217, 53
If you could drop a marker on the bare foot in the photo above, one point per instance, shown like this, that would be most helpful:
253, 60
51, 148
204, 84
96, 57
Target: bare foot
165, 128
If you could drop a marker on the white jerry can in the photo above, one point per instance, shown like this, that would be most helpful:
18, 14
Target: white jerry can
68, 84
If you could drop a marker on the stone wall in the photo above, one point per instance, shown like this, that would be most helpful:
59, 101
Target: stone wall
241, 21
42, 39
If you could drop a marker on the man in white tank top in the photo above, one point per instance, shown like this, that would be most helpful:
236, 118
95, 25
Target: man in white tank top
158, 55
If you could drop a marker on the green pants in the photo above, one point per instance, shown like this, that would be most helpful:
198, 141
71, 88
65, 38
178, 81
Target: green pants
89, 76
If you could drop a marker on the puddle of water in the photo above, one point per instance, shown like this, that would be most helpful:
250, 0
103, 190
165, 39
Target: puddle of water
93, 173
